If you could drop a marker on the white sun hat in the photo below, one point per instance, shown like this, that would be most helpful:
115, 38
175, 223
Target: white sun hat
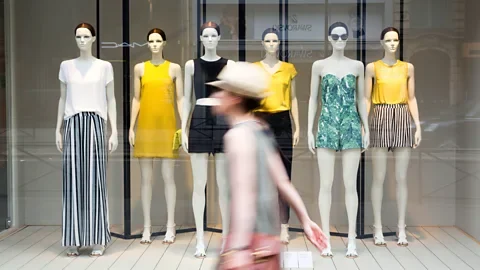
243, 78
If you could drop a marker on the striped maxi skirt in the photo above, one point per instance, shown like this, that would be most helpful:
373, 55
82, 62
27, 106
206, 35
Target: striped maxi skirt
85, 208
390, 126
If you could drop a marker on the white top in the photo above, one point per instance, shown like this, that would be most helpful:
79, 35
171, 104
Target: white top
86, 86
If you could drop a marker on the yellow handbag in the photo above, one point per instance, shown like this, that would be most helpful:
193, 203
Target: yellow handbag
177, 139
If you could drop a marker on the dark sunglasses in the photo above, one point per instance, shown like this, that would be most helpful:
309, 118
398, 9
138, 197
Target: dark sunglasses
336, 37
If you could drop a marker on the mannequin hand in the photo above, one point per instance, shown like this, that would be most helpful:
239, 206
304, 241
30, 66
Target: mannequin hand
418, 138
296, 137
131, 137
315, 235
58, 141
185, 141
311, 142
365, 139
113, 142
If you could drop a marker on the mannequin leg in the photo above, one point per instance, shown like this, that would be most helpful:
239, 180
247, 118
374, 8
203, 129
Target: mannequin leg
168, 170
221, 177
326, 165
146, 171
379, 167
351, 159
402, 158
199, 163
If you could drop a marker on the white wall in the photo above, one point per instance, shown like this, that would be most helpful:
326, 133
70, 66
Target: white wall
44, 37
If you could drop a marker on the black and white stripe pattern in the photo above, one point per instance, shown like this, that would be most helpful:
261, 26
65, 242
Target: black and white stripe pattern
85, 208
390, 126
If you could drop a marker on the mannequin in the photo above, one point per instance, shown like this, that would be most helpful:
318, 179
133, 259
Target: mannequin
277, 109
202, 132
343, 114
390, 86
156, 82
87, 100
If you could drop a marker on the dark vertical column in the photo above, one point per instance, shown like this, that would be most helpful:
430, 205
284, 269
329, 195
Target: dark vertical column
285, 42
126, 117
199, 20
98, 28
241, 30
281, 23
402, 9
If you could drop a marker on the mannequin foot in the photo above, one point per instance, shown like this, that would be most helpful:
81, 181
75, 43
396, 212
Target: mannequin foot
170, 235
146, 236
327, 253
351, 249
402, 236
200, 249
284, 237
72, 252
378, 237
97, 250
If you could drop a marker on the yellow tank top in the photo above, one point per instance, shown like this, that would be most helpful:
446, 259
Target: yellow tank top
280, 89
391, 83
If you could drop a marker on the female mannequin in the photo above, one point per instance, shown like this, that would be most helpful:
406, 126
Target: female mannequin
156, 82
390, 86
275, 110
202, 132
86, 102
340, 125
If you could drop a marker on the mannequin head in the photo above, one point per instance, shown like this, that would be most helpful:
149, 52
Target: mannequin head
210, 35
156, 40
85, 36
271, 40
390, 39
338, 35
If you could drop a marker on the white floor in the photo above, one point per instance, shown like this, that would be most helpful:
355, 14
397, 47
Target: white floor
436, 248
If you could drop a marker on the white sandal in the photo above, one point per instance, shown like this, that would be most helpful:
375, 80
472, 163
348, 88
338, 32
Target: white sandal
97, 251
402, 236
146, 236
200, 249
72, 252
378, 239
170, 235
351, 249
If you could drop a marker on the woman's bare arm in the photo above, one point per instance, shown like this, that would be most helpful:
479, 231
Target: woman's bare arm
240, 152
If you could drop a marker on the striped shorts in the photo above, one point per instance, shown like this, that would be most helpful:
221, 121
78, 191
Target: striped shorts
390, 126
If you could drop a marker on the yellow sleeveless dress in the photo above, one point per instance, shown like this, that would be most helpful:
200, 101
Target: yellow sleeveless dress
157, 121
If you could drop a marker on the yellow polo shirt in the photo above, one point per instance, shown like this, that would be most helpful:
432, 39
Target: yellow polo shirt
280, 89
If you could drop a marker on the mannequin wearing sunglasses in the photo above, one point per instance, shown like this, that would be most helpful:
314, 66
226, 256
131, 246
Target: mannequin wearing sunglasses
343, 115
390, 87
278, 108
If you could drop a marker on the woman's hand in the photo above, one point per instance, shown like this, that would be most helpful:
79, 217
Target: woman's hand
315, 235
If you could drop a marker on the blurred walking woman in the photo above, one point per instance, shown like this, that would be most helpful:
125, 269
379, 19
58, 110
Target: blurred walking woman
256, 175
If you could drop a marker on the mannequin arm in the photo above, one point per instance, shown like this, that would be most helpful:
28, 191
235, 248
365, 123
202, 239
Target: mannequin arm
412, 104
61, 106
112, 115
188, 94
369, 76
136, 95
361, 105
412, 100
243, 182
312, 102
177, 71
294, 112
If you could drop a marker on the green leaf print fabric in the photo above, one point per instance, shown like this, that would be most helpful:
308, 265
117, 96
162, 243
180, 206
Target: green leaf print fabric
339, 125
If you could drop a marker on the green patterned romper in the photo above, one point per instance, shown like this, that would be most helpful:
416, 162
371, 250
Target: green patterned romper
339, 125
